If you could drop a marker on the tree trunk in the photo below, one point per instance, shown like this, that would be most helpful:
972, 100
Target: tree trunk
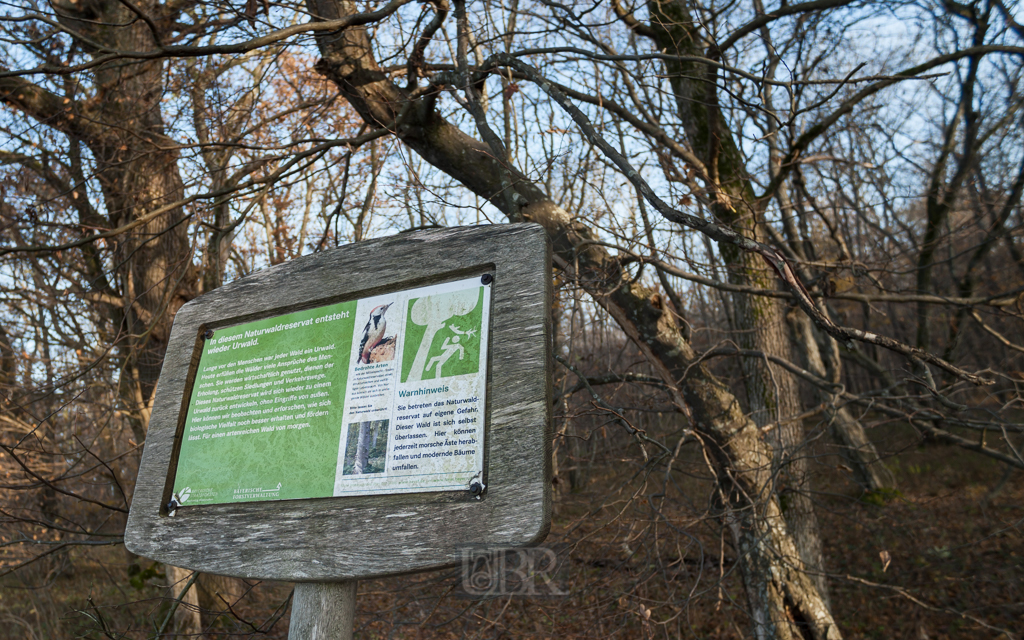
121, 124
868, 469
136, 168
785, 603
772, 396
186, 620
362, 447
216, 594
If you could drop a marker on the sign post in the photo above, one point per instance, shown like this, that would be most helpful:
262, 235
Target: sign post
378, 409
323, 611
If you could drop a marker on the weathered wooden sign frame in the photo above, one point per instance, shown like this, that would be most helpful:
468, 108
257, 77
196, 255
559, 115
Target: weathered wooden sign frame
346, 538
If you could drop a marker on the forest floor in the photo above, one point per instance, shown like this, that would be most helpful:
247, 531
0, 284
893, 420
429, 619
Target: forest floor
942, 558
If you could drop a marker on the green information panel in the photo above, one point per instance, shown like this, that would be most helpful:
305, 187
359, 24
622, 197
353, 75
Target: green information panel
373, 396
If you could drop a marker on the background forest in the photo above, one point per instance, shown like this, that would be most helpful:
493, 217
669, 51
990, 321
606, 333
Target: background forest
789, 290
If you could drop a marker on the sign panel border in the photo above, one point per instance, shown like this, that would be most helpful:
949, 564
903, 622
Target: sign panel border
266, 390
353, 537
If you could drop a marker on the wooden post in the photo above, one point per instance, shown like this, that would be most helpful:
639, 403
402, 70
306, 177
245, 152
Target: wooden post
323, 610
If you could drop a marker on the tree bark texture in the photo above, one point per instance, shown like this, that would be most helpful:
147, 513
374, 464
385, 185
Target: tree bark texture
785, 602
216, 594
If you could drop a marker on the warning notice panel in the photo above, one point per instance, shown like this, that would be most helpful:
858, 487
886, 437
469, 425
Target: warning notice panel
373, 396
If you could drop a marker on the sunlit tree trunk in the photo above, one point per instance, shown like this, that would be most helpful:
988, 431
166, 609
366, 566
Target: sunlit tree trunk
860, 453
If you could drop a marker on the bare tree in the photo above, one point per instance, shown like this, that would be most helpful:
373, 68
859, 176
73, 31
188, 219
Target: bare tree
730, 193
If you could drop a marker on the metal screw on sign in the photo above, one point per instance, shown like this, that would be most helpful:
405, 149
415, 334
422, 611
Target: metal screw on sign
207, 334
476, 488
486, 278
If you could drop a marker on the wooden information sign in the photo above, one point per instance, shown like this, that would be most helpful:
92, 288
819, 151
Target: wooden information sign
377, 409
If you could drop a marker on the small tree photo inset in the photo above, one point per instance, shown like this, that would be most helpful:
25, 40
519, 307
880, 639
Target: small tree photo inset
366, 448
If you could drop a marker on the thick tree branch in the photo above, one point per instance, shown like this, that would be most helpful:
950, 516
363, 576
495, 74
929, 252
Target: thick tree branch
45, 106
773, 15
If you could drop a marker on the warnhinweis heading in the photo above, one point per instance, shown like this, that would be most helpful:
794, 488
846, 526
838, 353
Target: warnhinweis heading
402, 393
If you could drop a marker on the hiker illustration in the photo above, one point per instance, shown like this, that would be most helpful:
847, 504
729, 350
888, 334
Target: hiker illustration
434, 313
449, 346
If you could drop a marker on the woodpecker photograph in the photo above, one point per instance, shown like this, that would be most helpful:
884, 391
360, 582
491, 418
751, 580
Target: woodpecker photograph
375, 345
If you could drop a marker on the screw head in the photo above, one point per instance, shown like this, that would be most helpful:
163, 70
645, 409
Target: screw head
207, 334
476, 488
487, 278
172, 505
